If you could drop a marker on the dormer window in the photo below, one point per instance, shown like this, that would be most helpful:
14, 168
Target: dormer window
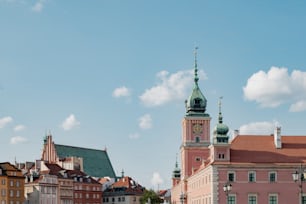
197, 103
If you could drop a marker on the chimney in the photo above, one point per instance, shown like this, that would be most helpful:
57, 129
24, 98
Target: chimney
277, 137
236, 133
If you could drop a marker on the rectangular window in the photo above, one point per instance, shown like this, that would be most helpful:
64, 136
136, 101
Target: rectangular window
303, 199
273, 199
272, 177
252, 199
11, 183
252, 176
3, 192
231, 176
231, 199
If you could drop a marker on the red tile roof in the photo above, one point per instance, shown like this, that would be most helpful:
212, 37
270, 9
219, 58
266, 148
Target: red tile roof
261, 149
54, 169
103, 180
125, 182
126, 185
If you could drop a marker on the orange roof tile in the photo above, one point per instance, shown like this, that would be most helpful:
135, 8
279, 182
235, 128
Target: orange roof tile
261, 149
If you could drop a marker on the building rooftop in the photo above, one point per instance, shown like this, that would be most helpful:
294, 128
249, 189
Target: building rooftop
261, 149
125, 185
96, 162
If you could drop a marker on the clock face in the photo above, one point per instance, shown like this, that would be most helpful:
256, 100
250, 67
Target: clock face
197, 128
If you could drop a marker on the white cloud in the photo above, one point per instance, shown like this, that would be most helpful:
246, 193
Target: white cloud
258, 128
38, 6
156, 179
145, 121
70, 122
298, 106
4, 121
170, 87
121, 92
134, 136
18, 140
277, 87
19, 128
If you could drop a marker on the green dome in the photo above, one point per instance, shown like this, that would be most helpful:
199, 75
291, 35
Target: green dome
221, 129
196, 103
176, 172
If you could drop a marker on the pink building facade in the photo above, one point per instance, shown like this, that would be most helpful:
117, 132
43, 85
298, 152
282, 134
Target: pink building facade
258, 168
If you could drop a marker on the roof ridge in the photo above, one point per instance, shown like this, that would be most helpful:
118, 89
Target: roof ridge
80, 147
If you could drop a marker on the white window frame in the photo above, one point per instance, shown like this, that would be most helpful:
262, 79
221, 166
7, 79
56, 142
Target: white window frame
231, 172
272, 172
254, 173
251, 195
273, 194
232, 195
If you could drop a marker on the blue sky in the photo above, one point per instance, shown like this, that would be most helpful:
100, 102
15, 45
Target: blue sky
115, 74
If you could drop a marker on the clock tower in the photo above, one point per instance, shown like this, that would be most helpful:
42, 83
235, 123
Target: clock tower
195, 129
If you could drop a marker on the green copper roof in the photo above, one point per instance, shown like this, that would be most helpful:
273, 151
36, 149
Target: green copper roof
196, 103
220, 130
176, 172
96, 162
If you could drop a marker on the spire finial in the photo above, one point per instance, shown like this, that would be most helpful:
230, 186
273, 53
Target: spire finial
196, 78
220, 113
122, 173
176, 164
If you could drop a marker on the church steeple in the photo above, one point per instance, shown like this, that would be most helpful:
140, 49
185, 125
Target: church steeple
221, 130
177, 171
196, 103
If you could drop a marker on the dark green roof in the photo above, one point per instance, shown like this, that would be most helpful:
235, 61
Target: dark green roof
196, 103
96, 163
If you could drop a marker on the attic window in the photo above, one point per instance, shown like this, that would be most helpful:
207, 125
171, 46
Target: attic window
197, 102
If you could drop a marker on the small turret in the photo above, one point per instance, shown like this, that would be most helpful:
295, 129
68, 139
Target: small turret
220, 130
176, 172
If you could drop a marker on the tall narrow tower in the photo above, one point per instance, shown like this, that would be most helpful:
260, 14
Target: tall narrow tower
196, 129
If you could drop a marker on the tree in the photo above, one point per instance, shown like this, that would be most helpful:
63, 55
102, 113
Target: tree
150, 197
